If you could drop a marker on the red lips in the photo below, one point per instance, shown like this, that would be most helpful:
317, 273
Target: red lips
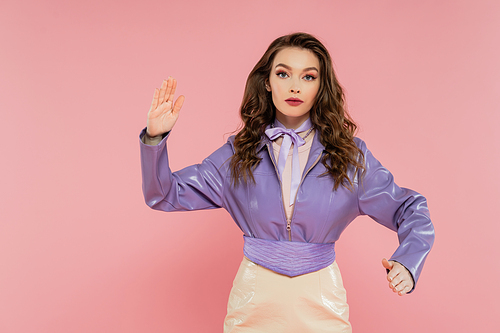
293, 101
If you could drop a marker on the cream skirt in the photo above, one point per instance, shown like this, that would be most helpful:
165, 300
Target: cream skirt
264, 301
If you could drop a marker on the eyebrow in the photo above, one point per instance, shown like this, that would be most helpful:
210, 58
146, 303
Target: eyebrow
290, 68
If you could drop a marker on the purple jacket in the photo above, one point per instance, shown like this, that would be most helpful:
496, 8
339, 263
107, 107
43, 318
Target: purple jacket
320, 214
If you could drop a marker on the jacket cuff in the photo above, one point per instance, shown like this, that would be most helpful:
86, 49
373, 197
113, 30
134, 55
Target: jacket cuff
162, 142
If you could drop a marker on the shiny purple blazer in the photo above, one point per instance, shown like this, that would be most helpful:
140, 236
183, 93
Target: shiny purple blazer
320, 213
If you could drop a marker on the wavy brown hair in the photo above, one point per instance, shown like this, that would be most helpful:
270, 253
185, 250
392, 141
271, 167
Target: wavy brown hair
328, 116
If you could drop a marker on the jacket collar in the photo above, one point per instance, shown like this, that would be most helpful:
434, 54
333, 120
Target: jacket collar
316, 148
264, 141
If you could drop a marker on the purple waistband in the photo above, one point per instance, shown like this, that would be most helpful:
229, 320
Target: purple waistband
289, 258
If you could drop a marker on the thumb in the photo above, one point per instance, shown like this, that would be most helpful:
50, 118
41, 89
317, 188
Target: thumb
387, 264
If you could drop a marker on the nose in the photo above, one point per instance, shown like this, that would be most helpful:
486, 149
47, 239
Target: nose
295, 86
295, 89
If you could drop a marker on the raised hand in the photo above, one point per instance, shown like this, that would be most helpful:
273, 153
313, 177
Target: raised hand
164, 112
400, 279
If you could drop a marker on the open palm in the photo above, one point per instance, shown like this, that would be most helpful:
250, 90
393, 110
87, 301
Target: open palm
164, 112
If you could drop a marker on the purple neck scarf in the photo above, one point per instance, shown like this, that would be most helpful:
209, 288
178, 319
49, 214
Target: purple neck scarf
290, 137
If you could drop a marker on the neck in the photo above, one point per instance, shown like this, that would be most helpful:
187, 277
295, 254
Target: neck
292, 122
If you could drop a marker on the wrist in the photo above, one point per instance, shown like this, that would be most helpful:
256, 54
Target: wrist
151, 137
152, 140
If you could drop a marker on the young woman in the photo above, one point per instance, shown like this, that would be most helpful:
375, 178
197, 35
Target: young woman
292, 179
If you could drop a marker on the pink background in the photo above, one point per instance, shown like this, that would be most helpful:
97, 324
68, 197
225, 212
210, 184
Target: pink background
81, 252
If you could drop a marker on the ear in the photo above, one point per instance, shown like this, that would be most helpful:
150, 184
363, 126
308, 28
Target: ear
268, 87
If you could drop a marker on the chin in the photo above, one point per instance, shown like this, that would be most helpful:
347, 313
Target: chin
295, 113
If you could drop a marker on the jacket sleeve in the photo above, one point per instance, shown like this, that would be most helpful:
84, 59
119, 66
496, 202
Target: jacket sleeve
402, 210
195, 187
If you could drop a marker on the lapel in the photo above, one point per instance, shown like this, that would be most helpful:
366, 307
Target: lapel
316, 151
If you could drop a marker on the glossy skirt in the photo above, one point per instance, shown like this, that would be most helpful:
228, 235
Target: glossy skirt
264, 301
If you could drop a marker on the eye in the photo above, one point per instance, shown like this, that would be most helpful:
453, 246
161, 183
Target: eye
309, 77
282, 75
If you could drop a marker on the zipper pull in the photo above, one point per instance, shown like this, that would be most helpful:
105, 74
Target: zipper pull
288, 225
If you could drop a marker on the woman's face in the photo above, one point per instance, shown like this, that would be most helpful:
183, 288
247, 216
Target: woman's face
294, 83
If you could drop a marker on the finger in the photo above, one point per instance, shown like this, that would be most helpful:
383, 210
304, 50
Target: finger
178, 104
169, 89
403, 281
397, 288
154, 103
397, 280
172, 92
405, 290
400, 286
163, 89
395, 276
397, 268
387, 264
